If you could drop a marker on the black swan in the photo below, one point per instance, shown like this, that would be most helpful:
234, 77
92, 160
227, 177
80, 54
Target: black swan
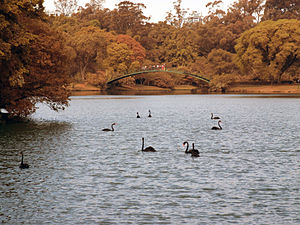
195, 152
137, 115
148, 149
23, 165
149, 113
214, 117
187, 151
219, 126
112, 128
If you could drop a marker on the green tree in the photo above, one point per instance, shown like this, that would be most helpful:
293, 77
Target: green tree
270, 49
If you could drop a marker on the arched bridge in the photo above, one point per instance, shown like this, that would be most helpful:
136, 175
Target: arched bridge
155, 71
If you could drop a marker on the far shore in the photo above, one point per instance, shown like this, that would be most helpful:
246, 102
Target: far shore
185, 89
265, 89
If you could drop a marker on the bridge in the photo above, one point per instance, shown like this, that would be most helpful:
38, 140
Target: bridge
155, 71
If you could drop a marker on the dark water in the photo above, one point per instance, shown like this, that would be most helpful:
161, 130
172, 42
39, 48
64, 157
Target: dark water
248, 173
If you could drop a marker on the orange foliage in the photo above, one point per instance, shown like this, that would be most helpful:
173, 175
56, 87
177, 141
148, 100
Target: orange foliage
97, 79
139, 52
163, 80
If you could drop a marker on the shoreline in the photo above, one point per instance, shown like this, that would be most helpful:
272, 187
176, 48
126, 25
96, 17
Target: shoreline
265, 89
78, 89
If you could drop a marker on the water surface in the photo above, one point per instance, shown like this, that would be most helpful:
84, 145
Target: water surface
248, 173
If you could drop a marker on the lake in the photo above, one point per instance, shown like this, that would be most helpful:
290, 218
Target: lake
247, 173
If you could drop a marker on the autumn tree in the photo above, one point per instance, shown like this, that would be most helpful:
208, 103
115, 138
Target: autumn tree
138, 51
278, 9
32, 60
177, 18
96, 4
220, 30
270, 49
180, 48
66, 7
125, 54
162, 80
222, 69
251, 10
154, 40
128, 18
92, 11
90, 45
66, 24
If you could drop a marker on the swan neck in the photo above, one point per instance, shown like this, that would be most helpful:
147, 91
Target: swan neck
187, 147
142, 144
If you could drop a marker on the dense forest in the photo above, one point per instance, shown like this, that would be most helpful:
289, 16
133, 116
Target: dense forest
42, 54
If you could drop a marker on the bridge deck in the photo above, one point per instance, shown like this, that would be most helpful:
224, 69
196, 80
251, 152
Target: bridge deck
155, 71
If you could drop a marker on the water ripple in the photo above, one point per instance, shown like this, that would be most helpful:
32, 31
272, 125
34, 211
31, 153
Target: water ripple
248, 173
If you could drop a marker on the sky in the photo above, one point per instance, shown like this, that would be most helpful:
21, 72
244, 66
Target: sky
157, 9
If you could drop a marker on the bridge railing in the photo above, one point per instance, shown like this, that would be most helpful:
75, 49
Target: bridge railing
159, 70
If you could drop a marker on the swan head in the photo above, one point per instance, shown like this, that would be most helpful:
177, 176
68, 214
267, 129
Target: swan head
184, 143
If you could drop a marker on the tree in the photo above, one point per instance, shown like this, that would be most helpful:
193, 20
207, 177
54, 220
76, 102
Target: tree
179, 47
177, 18
32, 63
65, 7
124, 54
222, 69
221, 30
138, 51
269, 49
90, 45
245, 9
154, 40
128, 18
47, 79
278, 9
96, 4
221, 62
14, 38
